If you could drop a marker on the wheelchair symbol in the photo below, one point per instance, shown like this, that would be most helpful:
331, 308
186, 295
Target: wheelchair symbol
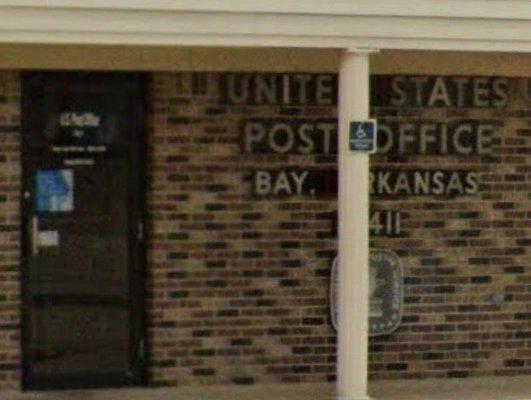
362, 136
360, 133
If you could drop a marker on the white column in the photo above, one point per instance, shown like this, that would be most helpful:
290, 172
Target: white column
353, 232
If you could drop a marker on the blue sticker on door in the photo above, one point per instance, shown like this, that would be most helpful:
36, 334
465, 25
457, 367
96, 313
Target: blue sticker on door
54, 190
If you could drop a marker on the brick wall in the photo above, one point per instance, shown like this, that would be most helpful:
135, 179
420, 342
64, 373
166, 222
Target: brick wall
467, 272
9, 231
239, 285
467, 259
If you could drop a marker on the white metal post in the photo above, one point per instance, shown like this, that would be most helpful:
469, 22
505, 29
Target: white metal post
353, 231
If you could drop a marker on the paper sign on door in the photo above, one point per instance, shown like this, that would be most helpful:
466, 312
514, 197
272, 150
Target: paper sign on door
55, 190
48, 238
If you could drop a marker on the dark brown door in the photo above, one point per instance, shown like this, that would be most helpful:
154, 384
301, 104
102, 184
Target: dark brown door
82, 211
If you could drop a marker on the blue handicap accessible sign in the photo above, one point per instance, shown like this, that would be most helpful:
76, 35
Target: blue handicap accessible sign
362, 136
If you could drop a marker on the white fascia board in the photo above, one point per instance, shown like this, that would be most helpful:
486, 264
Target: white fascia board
179, 23
486, 9
402, 24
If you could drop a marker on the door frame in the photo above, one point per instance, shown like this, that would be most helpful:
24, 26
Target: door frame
136, 182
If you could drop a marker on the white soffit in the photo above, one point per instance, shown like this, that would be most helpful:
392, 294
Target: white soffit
468, 25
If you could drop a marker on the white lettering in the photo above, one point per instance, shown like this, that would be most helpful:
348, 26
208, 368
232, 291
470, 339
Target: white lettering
299, 180
439, 93
324, 90
262, 183
254, 133
282, 185
238, 88
399, 97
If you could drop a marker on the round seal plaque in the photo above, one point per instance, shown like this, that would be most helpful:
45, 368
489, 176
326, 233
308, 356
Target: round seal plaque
385, 288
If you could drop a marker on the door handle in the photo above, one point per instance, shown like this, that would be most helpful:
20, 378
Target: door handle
33, 233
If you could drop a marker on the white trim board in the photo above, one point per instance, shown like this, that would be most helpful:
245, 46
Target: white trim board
462, 25
488, 9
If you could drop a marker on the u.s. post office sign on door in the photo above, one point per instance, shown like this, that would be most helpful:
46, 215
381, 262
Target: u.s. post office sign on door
385, 288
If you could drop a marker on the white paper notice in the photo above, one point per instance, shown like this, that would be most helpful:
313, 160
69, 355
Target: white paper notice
48, 238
